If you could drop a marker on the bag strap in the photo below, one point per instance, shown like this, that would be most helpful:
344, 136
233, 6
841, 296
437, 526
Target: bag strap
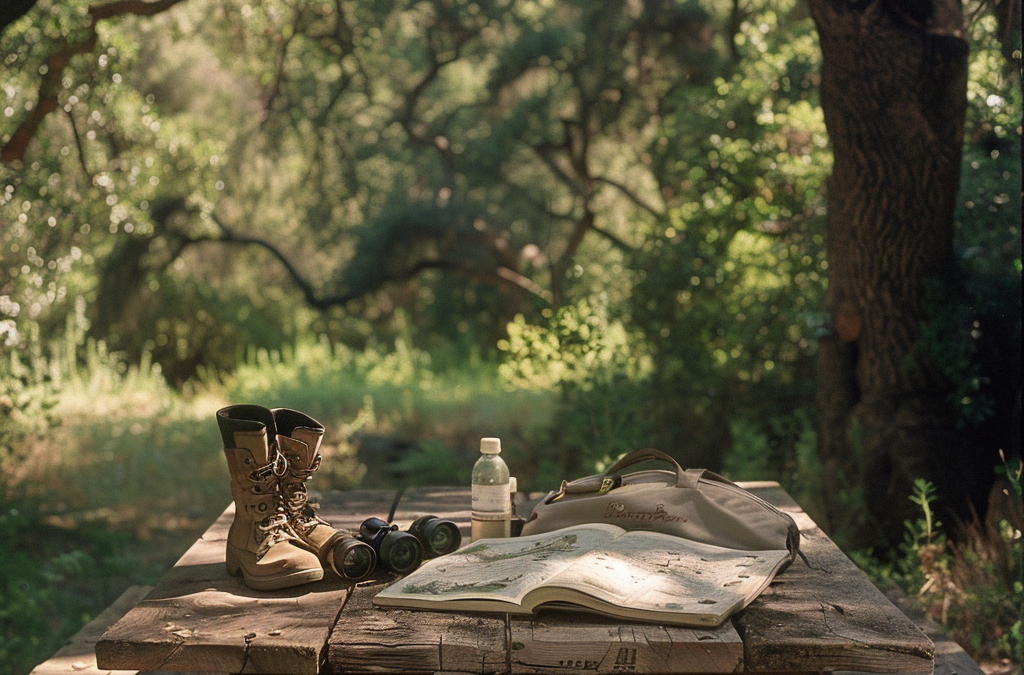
684, 477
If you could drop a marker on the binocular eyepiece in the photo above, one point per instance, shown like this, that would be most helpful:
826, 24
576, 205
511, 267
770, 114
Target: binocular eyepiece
402, 552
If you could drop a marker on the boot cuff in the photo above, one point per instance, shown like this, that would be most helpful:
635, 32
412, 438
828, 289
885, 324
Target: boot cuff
244, 418
289, 420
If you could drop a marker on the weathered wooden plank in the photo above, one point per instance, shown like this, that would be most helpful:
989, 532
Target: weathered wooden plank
368, 639
826, 615
78, 656
950, 657
199, 618
560, 642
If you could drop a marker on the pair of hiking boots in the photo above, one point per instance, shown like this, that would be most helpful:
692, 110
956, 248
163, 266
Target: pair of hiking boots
276, 540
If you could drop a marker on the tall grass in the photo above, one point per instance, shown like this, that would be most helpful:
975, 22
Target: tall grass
432, 419
972, 584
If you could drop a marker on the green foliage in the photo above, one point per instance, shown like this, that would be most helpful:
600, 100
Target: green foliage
1012, 642
601, 373
731, 282
37, 560
433, 463
971, 585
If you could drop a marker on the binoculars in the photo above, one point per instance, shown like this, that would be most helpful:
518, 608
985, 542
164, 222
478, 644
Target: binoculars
352, 558
436, 536
402, 552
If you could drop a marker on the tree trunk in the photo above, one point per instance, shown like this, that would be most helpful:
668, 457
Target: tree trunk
894, 95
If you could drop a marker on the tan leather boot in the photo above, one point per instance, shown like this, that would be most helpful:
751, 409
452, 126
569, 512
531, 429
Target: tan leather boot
299, 436
262, 547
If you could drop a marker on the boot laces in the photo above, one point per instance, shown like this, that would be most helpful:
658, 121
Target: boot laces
277, 526
278, 466
297, 504
300, 509
275, 529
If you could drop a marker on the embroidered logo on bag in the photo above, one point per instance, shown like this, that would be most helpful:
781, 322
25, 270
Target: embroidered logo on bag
617, 510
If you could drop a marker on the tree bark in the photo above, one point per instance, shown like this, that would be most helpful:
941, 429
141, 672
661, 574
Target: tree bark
893, 94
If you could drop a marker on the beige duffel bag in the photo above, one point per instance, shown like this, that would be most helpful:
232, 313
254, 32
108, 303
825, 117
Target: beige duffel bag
695, 504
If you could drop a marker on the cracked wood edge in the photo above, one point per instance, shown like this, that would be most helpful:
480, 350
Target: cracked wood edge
826, 615
200, 618
555, 641
373, 639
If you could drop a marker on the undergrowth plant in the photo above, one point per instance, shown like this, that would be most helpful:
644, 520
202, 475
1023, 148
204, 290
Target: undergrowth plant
972, 584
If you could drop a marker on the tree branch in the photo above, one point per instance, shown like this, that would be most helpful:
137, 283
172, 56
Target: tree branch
614, 240
78, 144
630, 195
46, 101
125, 7
50, 84
280, 77
502, 276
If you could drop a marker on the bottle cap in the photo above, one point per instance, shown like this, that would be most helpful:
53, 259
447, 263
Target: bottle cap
490, 446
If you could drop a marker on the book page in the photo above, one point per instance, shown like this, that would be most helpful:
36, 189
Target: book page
655, 572
499, 569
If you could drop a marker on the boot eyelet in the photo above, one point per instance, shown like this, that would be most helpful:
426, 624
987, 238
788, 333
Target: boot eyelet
256, 489
247, 461
262, 506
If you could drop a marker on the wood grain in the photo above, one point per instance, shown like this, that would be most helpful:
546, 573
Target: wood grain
370, 639
78, 656
560, 642
198, 617
826, 615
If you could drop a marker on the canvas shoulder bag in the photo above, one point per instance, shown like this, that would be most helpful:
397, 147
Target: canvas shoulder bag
694, 503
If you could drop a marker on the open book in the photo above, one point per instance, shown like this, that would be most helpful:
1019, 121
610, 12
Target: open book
639, 575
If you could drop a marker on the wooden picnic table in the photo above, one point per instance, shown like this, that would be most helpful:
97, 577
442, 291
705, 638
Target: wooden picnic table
818, 615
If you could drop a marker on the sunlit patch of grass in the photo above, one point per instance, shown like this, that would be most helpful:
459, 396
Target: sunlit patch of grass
128, 450
393, 393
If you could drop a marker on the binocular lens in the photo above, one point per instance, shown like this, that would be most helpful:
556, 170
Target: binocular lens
353, 559
401, 552
398, 551
358, 563
437, 536
442, 536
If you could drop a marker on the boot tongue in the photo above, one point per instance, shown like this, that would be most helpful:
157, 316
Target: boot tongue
311, 437
294, 429
299, 455
258, 443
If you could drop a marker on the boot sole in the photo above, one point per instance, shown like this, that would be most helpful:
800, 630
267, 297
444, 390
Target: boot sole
273, 583
287, 581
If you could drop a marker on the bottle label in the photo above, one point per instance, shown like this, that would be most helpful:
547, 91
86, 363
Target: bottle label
491, 502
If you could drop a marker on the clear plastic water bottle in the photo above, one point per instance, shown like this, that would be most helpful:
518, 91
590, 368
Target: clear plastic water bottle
492, 506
